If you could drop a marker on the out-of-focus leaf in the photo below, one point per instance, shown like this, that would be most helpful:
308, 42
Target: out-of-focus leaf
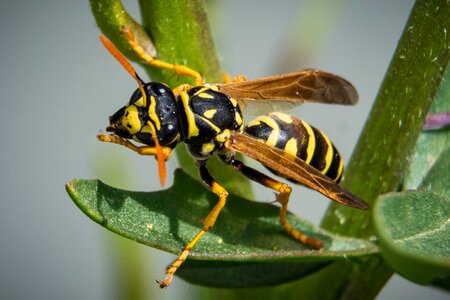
414, 232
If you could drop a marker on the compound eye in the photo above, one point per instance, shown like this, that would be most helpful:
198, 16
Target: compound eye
145, 138
135, 96
117, 116
160, 89
130, 120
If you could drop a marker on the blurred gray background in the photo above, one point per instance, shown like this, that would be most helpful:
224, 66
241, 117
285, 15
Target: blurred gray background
58, 86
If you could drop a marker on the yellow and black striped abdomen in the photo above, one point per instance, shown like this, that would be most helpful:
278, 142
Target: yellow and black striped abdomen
299, 139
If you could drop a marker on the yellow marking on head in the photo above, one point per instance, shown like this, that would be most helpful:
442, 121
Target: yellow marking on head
151, 128
291, 147
210, 113
275, 134
144, 94
140, 102
283, 117
224, 136
146, 129
152, 112
207, 148
311, 142
130, 120
329, 155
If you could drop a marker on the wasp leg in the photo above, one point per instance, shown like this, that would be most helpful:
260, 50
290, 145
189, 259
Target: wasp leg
284, 192
227, 79
208, 223
239, 78
142, 150
181, 70
181, 88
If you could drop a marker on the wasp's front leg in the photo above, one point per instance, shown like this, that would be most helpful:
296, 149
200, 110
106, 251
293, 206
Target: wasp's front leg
209, 182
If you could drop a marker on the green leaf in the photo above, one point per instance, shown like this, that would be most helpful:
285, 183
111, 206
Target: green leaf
414, 232
246, 243
235, 274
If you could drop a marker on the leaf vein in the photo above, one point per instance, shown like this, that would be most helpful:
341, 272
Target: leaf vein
425, 233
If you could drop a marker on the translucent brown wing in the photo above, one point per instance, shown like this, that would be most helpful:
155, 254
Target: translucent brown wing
281, 92
292, 167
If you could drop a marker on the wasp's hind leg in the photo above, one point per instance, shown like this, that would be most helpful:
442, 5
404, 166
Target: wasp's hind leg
208, 223
284, 192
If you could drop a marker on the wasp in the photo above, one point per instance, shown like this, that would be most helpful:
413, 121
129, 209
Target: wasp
208, 119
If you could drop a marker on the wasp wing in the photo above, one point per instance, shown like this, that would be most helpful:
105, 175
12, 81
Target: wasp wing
292, 167
282, 92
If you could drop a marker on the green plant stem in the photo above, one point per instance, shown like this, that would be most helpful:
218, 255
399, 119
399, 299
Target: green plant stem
111, 16
388, 139
180, 31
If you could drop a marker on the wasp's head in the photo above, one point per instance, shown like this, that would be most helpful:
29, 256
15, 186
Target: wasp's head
143, 117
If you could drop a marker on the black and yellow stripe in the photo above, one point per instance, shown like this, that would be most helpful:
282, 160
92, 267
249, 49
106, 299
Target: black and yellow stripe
207, 117
298, 138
